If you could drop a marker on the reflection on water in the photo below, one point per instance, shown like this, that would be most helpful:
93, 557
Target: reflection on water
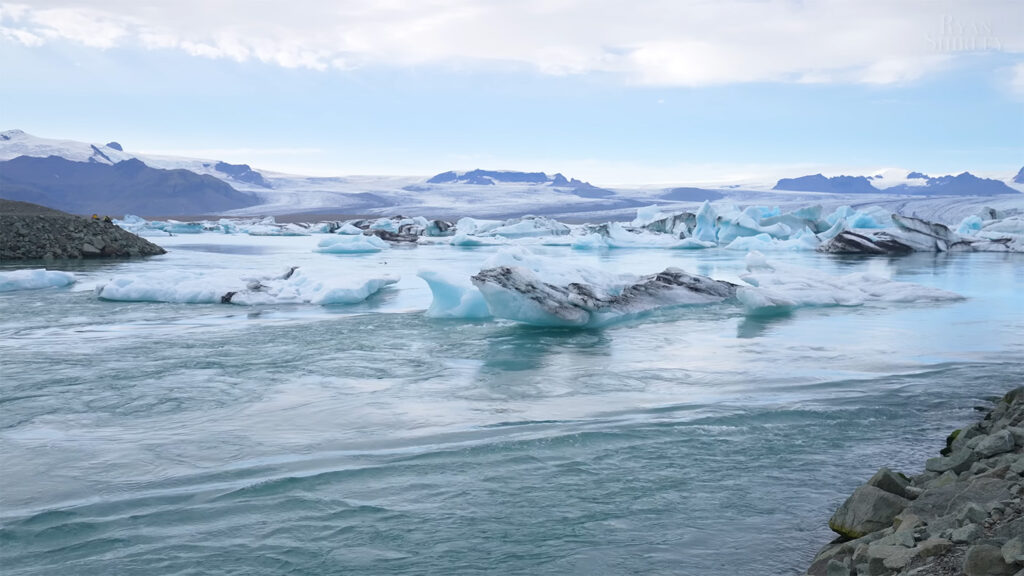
241, 249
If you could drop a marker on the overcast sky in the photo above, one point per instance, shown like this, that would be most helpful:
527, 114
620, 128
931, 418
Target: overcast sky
607, 90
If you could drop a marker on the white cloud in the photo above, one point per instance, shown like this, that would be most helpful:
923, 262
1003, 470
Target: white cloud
657, 42
1017, 79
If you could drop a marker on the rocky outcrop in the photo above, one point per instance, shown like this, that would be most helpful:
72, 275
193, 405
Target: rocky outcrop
963, 515
30, 232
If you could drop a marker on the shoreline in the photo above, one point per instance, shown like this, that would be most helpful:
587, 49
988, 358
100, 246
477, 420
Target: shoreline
963, 515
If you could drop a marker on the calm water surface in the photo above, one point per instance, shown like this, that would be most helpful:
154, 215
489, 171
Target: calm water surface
154, 438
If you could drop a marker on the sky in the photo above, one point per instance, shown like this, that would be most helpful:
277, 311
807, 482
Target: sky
610, 91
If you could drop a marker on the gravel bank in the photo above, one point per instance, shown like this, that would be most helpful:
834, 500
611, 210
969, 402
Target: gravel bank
32, 232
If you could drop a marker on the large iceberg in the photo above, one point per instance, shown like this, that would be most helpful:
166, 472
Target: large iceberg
775, 288
294, 286
34, 279
517, 293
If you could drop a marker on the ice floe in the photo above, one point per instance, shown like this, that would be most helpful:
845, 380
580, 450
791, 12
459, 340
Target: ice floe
295, 286
34, 279
774, 287
351, 244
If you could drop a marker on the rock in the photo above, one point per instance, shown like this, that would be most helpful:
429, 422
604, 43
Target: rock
1013, 550
948, 477
906, 522
890, 482
971, 513
933, 547
967, 533
836, 568
867, 510
997, 443
913, 492
959, 461
1018, 434
945, 500
29, 231
986, 560
893, 557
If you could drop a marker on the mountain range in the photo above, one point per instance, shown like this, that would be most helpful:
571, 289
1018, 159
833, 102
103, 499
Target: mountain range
103, 178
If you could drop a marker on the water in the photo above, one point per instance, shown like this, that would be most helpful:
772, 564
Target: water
150, 438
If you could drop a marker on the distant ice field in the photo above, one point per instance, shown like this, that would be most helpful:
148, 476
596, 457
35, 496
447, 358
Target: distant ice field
324, 421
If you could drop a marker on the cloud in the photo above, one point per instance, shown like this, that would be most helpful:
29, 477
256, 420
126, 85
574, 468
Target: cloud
658, 42
1017, 79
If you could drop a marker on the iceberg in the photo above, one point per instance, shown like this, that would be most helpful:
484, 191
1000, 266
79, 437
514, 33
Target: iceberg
294, 286
776, 288
351, 244
34, 279
453, 298
519, 294
529, 226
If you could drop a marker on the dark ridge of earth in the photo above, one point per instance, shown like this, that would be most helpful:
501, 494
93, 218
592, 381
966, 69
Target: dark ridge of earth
32, 232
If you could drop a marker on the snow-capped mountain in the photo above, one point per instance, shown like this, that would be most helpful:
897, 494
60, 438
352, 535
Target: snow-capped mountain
915, 183
110, 178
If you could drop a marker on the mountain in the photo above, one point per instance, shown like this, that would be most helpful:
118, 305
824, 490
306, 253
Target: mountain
835, 184
127, 186
494, 177
964, 184
1019, 178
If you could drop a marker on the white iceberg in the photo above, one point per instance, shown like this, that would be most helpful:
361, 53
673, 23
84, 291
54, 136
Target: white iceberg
295, 286
351, 244
34, 279
775, 287
453, 298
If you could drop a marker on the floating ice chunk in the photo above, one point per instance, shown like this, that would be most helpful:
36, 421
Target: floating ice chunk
969, 226
747, 223
872, 217
647, 214
592, 241
473, 226
293, 287
530, 226
1010, 225
34, 279
519, 294
804, 240
453, 298
462, 239
707, 224
348, 229
301, 288
185, 288
351, 244
777, 288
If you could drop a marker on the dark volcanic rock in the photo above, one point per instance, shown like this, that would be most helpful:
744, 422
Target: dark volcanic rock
29, 232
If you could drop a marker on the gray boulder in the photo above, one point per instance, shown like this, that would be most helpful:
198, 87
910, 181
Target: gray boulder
867, 510
997, 443
959, 461
986, 560
890, 482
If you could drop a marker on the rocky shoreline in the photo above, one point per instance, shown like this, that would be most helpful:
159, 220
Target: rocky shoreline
32, 232
963, 515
